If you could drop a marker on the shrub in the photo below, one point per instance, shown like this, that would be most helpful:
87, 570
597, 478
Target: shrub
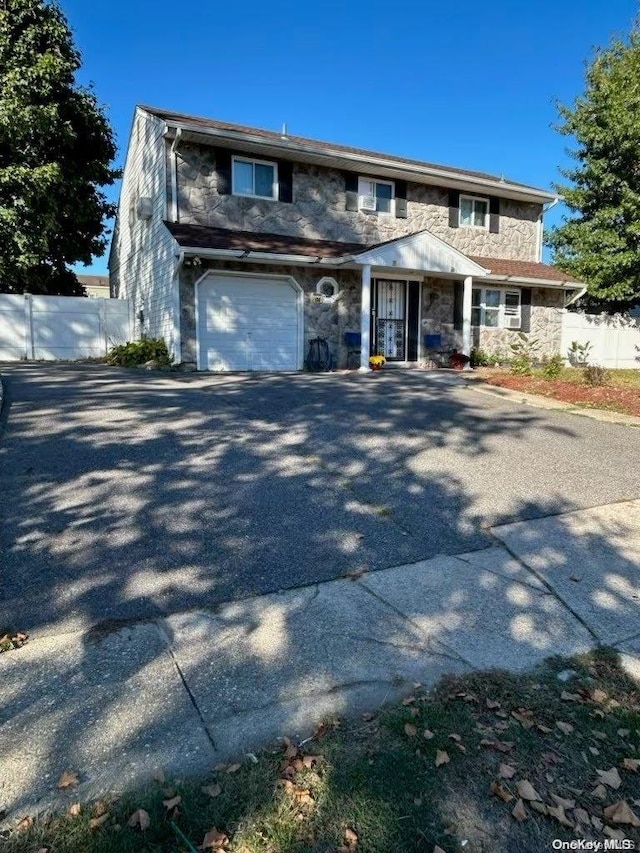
552, 366
140, 352
481, 358
594, 374
523, 355
578, 354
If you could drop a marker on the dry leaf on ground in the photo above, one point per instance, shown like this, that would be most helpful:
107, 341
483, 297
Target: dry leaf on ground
563, 801
428, 734
442, 757
350, 837
158, 776
526, 791
499, 790
233, 768
614, 833
172, 802
539, 807
140, 818
25, 823
565, 728
96, 822
599, 792
75, 809
610, 777
212, 790
214, 839
631, 764
558, 813
68, 780
492, 705
507, 771
582, 816
410, 730
621, 813
570, 697
519, 812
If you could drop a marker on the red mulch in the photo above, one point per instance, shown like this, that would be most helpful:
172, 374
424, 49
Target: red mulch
610, 397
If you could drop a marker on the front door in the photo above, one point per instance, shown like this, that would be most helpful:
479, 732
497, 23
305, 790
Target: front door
390, 323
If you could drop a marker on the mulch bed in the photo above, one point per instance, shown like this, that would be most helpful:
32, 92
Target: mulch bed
610, 397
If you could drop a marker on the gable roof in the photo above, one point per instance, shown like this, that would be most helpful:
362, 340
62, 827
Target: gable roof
363, 156
411, 249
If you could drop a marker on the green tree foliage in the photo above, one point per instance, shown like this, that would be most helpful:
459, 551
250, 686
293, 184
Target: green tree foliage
600, 242
56, 150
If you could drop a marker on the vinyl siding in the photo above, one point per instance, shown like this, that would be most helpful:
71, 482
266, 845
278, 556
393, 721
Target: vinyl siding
143, 254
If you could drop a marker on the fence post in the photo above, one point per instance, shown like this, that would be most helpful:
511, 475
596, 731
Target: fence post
102, 319
29, 347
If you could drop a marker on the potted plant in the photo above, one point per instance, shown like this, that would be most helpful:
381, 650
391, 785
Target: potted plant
376, 362
459, 360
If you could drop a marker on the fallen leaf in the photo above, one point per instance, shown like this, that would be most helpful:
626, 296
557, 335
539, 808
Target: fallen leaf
610, 777
25, 824
172, 803
599, 735
614, 833
507, 771
549, 777
562, 801
96, 822
309, 760
526, 791
442, 757
599, 792
68, 780
597, 822
139, 818
624, 733
410, 730
621, 813
461, 747
539, 807
519, 812
631, 764
158, 776
492, 705
599, 695
582, 816
303, 796
428, 735
524, 719
214, 839
457, 738
233, 768
594, 751
100, 808
544, 729
500, 791
500, 745
570, 697
558, 813
212, 790
367, 715
437, 849
350, 837
565, 728
75, 809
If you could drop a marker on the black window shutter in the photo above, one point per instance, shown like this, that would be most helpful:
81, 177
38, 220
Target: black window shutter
525, 309
454, 208
223, 170
457, 305
351, 190
401, 199
285, 180
494, 214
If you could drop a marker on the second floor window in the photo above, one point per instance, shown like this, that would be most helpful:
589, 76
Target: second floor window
474, 212
375, 195
257, 178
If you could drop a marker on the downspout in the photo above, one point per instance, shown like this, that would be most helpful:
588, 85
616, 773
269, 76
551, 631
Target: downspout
540, 240
577, 295
177, 333
174, 174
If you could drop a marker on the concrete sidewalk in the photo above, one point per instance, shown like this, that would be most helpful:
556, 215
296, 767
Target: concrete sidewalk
193, 689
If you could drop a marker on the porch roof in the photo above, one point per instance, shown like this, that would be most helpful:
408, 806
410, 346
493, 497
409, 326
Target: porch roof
419, 251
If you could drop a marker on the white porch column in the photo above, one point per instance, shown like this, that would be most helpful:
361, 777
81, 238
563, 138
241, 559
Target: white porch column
365, 317
466, 315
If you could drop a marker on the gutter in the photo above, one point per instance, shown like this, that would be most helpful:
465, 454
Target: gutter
500, 187
540, 239
576, 296
261, 257
177, 334
566, 284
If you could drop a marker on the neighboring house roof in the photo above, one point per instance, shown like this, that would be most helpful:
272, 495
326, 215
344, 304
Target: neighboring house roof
298, 144
94, 280
205, 237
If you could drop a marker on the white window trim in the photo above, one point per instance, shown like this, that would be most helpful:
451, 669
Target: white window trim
501, 308
474, 199
376, 181
253, 161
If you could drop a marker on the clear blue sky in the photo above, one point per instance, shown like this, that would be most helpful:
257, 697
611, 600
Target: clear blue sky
471, 84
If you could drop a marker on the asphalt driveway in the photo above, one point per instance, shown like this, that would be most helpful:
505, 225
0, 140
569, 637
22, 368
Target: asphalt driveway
128, 495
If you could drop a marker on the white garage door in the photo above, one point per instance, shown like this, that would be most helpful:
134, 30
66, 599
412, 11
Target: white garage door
247, 323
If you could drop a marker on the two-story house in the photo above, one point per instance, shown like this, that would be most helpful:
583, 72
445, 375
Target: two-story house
239, 245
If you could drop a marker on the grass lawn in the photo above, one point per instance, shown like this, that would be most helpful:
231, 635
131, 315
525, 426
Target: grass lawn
491, 762
620, 394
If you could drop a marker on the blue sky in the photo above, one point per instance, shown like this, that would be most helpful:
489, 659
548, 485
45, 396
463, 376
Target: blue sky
469, 84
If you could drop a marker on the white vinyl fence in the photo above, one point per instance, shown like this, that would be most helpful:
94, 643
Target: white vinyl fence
614, 338
61, 327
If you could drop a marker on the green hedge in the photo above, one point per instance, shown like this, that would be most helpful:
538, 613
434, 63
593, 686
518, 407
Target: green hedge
140, 352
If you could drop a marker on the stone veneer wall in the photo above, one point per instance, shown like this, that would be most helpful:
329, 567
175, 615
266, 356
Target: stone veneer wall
329, 320
546, 326
318, 211
437, 313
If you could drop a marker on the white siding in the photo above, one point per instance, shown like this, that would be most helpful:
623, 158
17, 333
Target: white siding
143, 253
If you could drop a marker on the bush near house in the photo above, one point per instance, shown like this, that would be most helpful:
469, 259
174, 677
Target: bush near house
135, 353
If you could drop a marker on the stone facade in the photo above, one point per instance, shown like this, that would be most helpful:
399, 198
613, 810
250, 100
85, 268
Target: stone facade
318, 211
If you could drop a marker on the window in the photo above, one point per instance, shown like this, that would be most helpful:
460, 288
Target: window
474, 212
375, 195
495, 308
256, 178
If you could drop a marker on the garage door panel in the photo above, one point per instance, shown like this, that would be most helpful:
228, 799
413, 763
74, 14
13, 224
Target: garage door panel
248, 323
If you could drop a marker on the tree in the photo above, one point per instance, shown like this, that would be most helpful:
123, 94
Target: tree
56, 150
600, 242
